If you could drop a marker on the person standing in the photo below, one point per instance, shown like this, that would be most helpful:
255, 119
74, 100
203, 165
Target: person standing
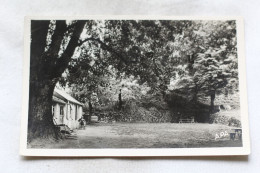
81, 123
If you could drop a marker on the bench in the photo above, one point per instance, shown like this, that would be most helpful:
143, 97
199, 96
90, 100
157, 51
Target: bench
64, 128
186, 120
94, 119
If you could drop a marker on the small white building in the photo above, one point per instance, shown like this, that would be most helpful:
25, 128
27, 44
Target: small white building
65, 109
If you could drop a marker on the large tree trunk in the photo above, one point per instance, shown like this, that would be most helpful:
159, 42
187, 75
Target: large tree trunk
40, 121
45, 69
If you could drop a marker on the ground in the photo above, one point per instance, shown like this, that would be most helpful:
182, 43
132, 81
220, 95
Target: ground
145, 135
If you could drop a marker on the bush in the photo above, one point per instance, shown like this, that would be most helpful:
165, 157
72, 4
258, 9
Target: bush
135, 112
219, 118
234, 122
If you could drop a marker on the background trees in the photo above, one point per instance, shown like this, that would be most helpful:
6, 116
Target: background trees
211, 66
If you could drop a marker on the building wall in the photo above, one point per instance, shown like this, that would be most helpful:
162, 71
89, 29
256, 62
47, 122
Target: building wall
66, 119
71, 114
79, 114
58, 118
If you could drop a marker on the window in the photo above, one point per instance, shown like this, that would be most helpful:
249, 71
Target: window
61, 110
53, 110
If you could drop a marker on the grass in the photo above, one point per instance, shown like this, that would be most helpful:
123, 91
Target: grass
145, 135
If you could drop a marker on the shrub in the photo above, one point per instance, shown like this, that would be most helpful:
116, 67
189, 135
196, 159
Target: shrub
219, 118
234, 122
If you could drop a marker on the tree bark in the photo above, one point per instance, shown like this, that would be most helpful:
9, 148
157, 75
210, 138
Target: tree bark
212, 99
63, 61
90, 109
120, 100
40, 122
195, 97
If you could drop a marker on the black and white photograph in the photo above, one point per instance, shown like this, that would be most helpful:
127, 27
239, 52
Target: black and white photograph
134, 86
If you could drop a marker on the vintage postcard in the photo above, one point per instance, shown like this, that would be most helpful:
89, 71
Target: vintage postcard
134, 86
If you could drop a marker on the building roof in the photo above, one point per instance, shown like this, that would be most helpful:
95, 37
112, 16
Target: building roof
63, 95
57, 100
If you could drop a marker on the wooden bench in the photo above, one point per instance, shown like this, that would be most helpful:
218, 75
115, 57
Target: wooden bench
94, 119
66, 132
186, 120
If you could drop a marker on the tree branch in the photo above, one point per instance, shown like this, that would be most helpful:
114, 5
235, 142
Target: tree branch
39, 31
104, 46
63, 61
57, 37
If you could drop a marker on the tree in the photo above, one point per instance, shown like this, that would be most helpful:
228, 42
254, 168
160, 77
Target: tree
218, 64
46, 66
144, 50
213, 78
53, 45
211, 59
85, 76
